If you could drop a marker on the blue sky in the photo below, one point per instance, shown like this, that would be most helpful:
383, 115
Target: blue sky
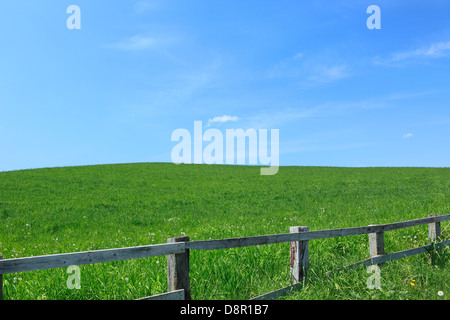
115, 90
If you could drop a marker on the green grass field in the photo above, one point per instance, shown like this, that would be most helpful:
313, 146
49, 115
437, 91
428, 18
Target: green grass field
60, 210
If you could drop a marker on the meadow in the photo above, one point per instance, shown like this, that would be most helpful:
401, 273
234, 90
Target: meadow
72, 209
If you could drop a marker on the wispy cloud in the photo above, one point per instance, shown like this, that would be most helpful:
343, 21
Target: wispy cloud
407, 135
275, 118
326, 74
289, 67
196, 79
139, 42
222, 119
298, 55
433, 51
310, 71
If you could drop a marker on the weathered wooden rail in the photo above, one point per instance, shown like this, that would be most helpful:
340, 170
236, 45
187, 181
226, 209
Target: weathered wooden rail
177, 252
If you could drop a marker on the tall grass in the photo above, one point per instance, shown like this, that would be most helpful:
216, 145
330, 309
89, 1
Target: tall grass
73, 209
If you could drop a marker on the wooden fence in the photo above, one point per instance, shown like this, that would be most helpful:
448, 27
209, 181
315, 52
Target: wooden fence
177, 252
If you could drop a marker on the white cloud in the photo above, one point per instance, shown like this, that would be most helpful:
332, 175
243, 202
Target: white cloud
139, 42
298, 56
278, 117
222, 119
325, 74
274, 119
309, 72
433, 51
135, 43
407, 135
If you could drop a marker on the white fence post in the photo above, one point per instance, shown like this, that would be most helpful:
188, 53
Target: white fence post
299, 257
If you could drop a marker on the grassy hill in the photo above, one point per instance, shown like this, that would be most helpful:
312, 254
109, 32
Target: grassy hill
58, 210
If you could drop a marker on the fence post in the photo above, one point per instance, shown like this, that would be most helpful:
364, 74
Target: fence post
434, 229
178, 269
299, 257
376, 243
1, 281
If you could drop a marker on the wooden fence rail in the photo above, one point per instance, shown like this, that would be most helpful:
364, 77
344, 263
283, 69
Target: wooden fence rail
177, 250
87, 257
310, 235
